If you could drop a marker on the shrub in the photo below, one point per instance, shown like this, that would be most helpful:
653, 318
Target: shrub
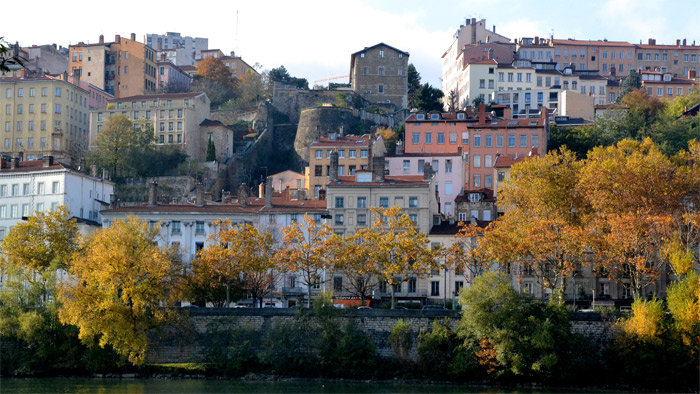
401, 340
436, 349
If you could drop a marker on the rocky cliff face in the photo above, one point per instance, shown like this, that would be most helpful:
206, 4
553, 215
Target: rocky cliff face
316, 122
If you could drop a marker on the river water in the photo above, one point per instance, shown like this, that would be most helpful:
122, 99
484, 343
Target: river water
137, 386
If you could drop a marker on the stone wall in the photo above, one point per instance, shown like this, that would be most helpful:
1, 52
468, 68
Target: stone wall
183, 342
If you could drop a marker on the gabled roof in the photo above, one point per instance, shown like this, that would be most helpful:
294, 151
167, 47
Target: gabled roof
30, 165
508, 161
381, 44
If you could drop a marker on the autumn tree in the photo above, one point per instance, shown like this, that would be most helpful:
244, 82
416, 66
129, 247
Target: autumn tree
463, 255
238, 254
36, 248
305, 251
214, 69
398, 250
121, 280
353, 258
118, 143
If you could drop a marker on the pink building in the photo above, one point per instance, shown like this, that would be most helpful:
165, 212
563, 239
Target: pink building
97, 98
449, 170
171, 78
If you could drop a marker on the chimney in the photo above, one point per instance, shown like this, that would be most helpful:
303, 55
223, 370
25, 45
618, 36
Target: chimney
482, 113
340, 132
102, 39
133, 36
473, 21
494, 28
225, 197
268, 192
427, 171
117, 38
47, 161
678, 43
537, 40
14, 163
243, 194
93, 170
153, 193
378, 169
399, 148
652, 41
507, 113
333, 168
684, 42
261, 190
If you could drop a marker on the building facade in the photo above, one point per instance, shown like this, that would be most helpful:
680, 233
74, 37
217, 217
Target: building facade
176, 117
171, 78
182, 51
665, 85
27, 187
43, 116
379, 74
122, 68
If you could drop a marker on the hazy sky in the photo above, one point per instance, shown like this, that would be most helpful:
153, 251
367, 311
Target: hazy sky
314, 39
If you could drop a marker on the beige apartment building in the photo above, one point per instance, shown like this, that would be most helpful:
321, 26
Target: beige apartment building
176, 117
43, 116
122, 68
354, 153
379, 74
676, 60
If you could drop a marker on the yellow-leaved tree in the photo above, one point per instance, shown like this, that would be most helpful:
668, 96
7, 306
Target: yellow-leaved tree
463, 255
396, 248
238, 254
353, 258
120, 282
305, 251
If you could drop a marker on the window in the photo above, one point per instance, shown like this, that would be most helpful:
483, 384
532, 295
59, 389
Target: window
406, 166
361, 202
539, 81
440, 137
43, 92
500, 77
176, 227
413, 217
339, 219
25, 189
465, 136
488, 140
384, 202
381, 53
361, 219
477, 140
413, 202
381, 71
428, 137
535, 140
340, 202
57, 108
487, 161
380, 89
415, 138
448, 166
477, 180
58, 92
434, 288
487, 180
32, 92
477, 161
510, 77
363, 153
523, 140
448, 188
55, 187
341, 154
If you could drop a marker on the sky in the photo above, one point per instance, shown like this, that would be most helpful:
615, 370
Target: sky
314, 39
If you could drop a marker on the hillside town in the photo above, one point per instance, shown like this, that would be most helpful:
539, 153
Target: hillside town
569, 166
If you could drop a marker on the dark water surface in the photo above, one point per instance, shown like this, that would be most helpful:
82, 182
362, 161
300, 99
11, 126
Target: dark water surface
136, 386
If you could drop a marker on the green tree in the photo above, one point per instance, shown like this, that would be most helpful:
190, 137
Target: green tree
116, 145
211, 150
632, 82
414, 78
427, 98
6, 58
280, 74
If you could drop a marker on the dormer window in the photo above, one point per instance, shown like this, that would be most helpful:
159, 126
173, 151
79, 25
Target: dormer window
362, 54
474, 197
364, 177
420, 117
460, 115
434, 116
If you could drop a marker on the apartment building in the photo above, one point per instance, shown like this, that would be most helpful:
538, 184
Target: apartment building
665, 85
448, 169
31, 186
676, 60
350, 198
355, 153
471, 42
176, 118
480, 136
181, 51
43, 116
379, 74
122, 68
49, 59
171, 78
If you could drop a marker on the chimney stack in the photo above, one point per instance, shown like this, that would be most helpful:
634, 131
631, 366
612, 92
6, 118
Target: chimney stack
427, 171
117, 38
378, 169
678, 43
153, 193
14, 163
507, 113
340, 132
47, 161
225, 197
333, 169
102, 39
243, 195
399, 148
261, 190
684, 42
133, 36
268, 192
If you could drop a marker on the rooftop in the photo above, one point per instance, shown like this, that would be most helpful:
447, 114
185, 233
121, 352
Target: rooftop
161, 96
255, 205
344, 140
389, 181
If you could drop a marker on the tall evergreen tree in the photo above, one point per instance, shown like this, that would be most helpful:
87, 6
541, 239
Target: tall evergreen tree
211, 151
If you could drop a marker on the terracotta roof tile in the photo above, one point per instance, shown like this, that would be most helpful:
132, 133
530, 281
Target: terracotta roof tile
157, 96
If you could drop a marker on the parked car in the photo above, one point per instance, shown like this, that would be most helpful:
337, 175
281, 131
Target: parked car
433, 308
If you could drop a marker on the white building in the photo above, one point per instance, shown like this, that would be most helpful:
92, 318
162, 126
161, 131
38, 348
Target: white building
27, 187
184, 51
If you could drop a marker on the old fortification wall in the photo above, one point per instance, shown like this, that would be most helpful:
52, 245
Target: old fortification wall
184, 343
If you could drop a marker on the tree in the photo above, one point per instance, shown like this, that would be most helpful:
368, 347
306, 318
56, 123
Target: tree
427, 98
280, 74
632, 82
463, 256
5, 59
116, 145
451, 101
211, 150
214, 69
252, 87
305, 251
398, 250
413, 78
121, 279
352, 257
238, 254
